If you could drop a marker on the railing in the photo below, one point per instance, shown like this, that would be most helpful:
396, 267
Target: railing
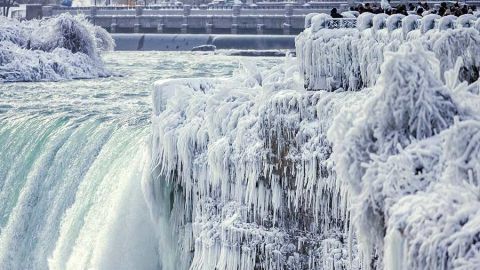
341, 23
440, 23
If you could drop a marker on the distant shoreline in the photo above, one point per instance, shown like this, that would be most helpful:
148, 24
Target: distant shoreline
186, 42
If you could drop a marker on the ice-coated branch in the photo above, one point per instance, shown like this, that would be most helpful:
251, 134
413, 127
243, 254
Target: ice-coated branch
350, 58
406, 159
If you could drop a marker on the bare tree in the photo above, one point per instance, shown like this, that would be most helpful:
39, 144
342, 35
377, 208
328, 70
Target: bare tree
5, 6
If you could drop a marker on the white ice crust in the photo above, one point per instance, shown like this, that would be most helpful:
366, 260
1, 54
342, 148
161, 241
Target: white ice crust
64, 47
255, 172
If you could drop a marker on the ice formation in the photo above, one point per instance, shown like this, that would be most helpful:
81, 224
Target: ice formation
231, 177
350, 58
259, 173
64, 47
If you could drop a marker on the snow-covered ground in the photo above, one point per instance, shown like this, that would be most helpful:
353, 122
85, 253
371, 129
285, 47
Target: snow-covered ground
64, 47
255, 172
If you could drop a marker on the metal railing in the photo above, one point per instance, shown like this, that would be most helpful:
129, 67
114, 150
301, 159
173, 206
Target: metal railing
341, 23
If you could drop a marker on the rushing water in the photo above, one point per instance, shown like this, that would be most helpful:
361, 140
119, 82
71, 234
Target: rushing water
72, 155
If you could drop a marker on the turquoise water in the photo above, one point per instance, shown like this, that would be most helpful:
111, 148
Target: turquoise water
72, 156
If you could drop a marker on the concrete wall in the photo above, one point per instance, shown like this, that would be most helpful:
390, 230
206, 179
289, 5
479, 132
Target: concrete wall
194, 24
173, 42
33, 11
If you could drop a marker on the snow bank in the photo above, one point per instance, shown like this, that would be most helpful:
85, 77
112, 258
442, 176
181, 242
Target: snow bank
64, 47
350, 58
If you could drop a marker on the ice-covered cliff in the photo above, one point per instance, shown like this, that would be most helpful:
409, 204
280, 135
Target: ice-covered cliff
255, 172
64, 47
241, 173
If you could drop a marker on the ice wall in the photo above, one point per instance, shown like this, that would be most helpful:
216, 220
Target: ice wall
64, 47
255, 172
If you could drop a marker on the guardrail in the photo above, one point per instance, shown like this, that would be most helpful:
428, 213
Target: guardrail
438, 22
341, 23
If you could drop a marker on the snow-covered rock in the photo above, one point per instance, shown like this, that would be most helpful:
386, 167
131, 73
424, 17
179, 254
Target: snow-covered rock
64, 47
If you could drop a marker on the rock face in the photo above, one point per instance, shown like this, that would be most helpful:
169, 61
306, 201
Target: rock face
64, 47
254, 172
